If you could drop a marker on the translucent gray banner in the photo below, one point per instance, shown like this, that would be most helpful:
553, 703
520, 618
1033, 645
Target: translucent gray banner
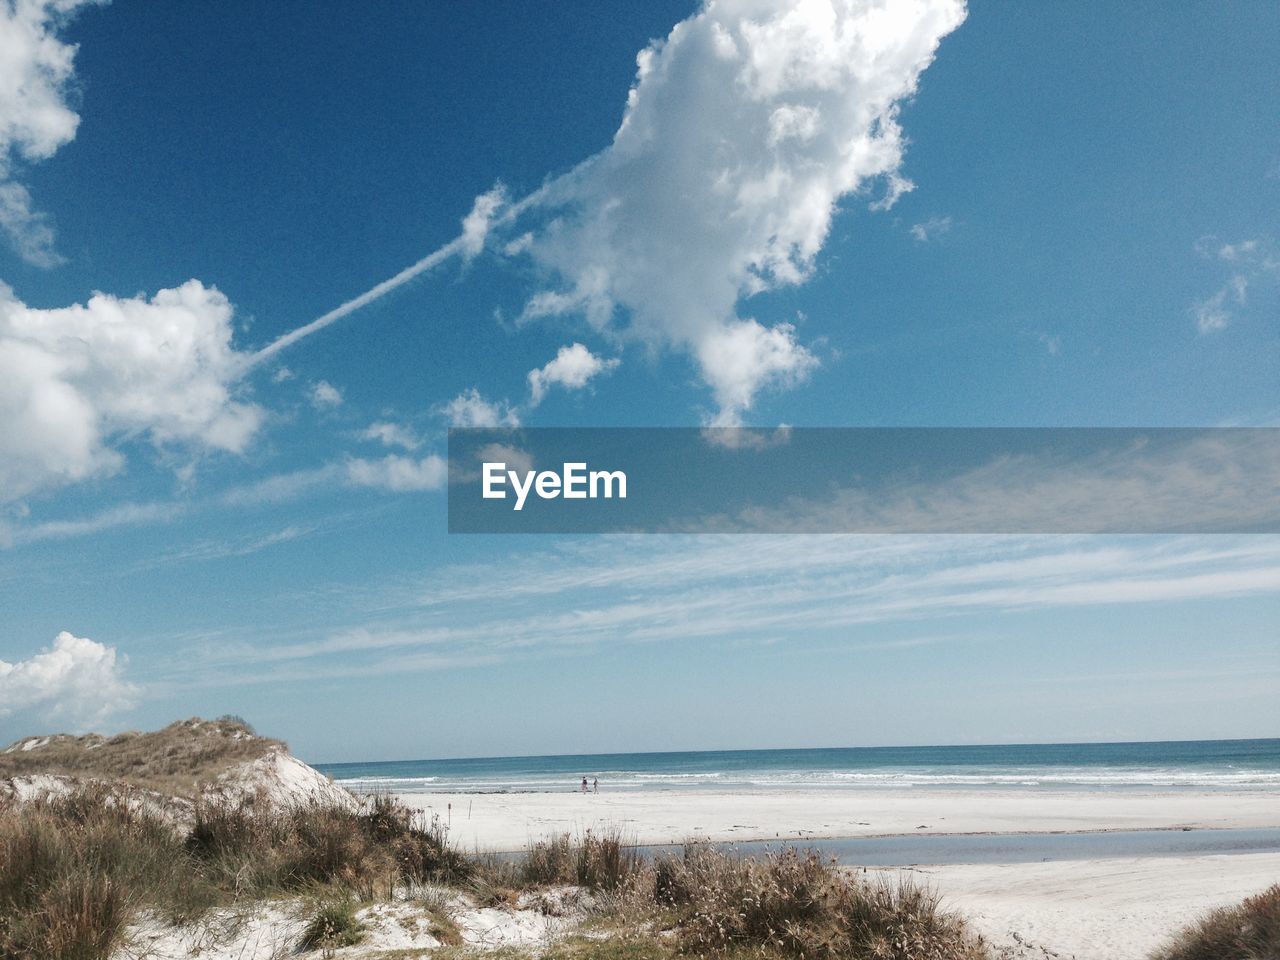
872, 480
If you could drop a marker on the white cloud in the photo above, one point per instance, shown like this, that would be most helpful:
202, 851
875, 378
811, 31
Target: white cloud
36, 71
575, 595
1211, 314
744, 129
1249, 262
282, 374
1204, 480
573, 367
513, 457
1051, 342
391, 435
122, 515
931, 229
476, 224
741, 357
76, 680
399, 474
280, 487
325, 396
28, 230
470, 409
73, 379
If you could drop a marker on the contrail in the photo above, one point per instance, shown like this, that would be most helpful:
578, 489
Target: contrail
458, 246
433, 259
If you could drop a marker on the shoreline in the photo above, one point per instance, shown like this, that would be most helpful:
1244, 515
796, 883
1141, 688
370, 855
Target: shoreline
508, 822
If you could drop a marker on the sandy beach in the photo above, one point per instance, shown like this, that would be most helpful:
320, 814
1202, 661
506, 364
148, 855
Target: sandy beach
508, 821
1116, 909
1089, 909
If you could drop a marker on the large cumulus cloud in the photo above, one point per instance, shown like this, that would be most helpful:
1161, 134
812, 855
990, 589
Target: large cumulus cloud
744, 129
74, 380
76, 680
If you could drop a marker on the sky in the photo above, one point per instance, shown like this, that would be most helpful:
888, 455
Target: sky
255, 264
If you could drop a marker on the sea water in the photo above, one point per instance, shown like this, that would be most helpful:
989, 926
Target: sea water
1208, 765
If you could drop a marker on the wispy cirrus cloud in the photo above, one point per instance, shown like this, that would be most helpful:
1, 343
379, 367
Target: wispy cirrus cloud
930, 229
578, 596
1247, 262
399, 474
120, 515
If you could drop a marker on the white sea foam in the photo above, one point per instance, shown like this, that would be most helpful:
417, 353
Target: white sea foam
1093, 777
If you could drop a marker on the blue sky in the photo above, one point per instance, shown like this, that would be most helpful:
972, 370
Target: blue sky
1091, 240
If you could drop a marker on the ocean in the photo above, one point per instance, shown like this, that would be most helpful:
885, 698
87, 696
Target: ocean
1176, 765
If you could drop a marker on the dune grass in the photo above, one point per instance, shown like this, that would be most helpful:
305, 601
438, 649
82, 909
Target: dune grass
1247, 931
788, 904
174, 761
333, 925
75, 870
597, 861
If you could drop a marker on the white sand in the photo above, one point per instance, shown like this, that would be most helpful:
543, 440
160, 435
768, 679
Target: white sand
272, 931
1099, 909
510, 821
1106, 909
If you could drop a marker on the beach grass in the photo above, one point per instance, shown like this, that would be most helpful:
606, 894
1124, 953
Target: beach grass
333, 925
1247, 931
596, 861
173, 761
76, 870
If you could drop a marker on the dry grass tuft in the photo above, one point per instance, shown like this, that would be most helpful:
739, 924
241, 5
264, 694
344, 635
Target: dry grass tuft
597, 861
73, 869
332, 926
797, 904
1248, 931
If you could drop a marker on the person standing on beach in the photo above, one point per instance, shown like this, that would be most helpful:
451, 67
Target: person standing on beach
595, 785
584, 784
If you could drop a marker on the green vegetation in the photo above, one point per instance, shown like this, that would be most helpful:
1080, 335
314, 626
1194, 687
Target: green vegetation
1248, 931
